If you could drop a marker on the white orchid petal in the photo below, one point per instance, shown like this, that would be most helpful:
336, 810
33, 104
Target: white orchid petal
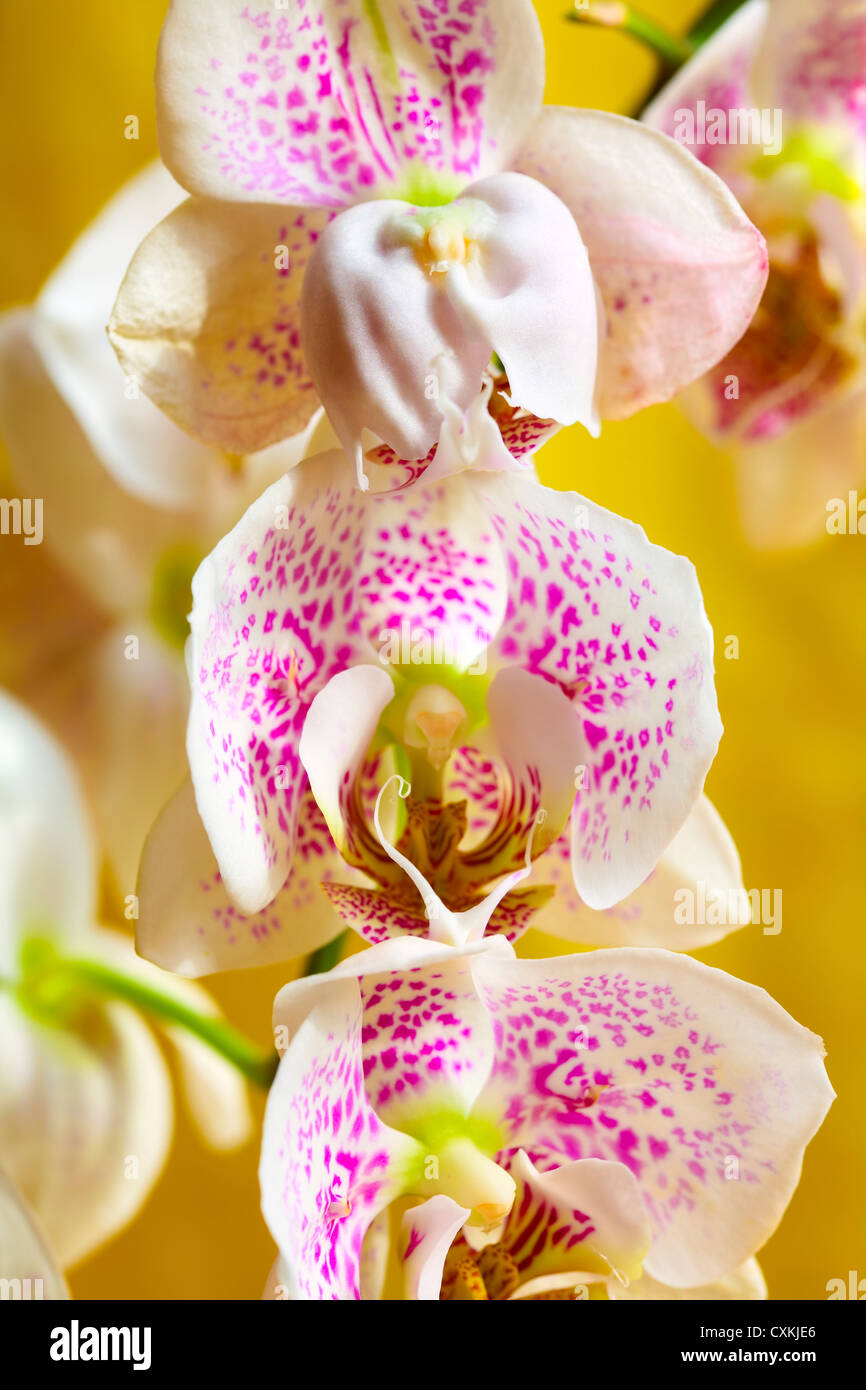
24, 1252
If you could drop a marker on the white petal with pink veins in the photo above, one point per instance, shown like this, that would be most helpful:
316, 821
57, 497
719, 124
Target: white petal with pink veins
585, 1217
329, 104
679, 266
426, 1234
700, 1084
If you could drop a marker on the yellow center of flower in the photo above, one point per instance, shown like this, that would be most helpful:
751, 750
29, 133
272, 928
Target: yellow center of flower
462, 1172
444, 237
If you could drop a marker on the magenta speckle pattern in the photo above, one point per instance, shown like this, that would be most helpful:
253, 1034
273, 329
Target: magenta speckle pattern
377, 917
620, 628
606, 1066
271, 640
303, 106
338, 1166
430, 572
427, 1041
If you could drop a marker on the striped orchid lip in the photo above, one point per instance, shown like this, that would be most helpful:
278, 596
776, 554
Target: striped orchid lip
376, 187
455, 1122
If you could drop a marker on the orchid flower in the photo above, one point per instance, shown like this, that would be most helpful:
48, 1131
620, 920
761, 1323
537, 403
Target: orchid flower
797, 378
376, 192
458, 1123
129, 504
85, 1097
337, 638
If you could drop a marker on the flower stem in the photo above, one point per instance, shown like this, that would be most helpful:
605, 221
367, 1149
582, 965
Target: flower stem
323, 960
259, 1066
610, 14
711, 20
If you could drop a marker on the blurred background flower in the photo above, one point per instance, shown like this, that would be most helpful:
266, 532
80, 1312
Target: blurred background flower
791, 634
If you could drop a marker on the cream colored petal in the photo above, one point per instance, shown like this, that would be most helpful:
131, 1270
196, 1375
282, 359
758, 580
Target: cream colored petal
745, 1284
142, 451
207, 321
119, 707
214, 1090
85, 1122
47, 858
794, 490
25, 1258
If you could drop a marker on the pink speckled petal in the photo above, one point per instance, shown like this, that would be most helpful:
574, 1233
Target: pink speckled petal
328, 102
586, 1217
338, 731
812, 64
187, 923
426, 1235
700, 1084
208, 321
24, 1251
272, 613
619, 624
719, 75
432, 573
427, 1042
329, 1165
534, 299
700, 867
679, 267
427, 1039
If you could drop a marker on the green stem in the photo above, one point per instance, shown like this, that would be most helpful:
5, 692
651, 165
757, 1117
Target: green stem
712, 20
610, 14
257, 1065
323, 960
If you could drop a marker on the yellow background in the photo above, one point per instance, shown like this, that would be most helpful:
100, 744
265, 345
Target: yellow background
789, 778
